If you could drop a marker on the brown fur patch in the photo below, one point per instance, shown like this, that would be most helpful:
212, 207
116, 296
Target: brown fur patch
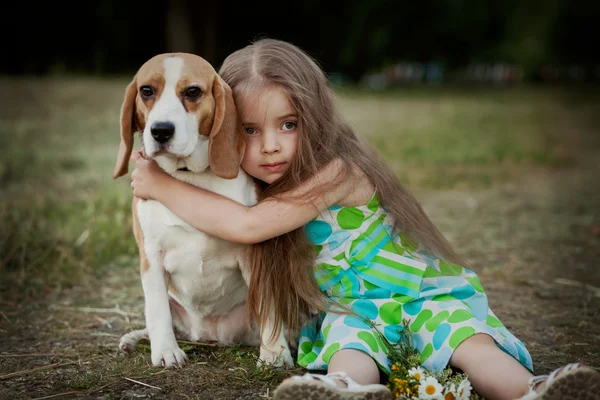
139, 237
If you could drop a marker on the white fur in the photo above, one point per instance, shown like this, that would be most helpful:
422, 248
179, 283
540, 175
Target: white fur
208, 274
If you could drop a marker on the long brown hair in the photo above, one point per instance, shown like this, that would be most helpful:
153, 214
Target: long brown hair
282, 267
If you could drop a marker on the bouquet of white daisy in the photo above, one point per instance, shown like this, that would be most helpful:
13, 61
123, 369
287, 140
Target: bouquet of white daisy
408, 381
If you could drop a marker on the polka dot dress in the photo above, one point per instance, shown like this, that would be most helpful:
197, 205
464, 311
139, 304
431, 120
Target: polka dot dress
384, 278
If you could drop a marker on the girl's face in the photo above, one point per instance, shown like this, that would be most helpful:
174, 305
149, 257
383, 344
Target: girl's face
271, 124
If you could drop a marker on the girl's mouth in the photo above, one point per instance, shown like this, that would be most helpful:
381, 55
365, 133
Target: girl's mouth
274, 167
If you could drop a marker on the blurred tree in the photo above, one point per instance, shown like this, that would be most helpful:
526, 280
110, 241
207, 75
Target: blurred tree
179, 34
528, 35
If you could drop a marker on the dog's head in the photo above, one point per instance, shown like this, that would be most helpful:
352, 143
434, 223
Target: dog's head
187, 115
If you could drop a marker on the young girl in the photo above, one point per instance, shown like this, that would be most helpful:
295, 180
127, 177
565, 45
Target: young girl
377, 253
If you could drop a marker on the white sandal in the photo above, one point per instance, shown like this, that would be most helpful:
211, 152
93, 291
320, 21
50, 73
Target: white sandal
320, 387
573, 381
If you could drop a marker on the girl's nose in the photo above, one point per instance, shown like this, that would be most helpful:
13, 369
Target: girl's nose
270, 143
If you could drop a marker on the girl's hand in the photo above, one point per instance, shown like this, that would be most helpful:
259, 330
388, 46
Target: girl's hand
147, 177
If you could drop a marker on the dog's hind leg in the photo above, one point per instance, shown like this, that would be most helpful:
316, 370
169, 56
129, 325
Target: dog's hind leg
129, 340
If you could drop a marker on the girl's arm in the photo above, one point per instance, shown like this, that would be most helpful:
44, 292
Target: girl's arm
229, 220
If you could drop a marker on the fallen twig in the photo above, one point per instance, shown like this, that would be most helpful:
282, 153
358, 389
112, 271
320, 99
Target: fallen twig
198, 343
38, 355
59, 394
142, 383
569, 282
28, 371
5, 317
49, 366
113, 310
77, 391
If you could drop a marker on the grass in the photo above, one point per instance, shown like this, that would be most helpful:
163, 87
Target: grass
65, 224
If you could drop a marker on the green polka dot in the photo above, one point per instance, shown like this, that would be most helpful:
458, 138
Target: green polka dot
344, 300
369, 285
433, 323
306, 347
393, 247
460, 335
426, 353
402, 299
420, 320
330, 352
373, 204
307, 359
318, 249
326, 331
444, 297
449, 269
318, 343
380, 341
350, 218
494, 322
431, 273
407, 242
368, 339
475, 283
460, 316
391, 313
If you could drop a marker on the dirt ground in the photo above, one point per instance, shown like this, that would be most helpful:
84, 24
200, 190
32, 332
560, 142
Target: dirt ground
535, 242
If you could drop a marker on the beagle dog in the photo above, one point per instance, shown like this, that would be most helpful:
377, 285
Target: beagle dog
194, 284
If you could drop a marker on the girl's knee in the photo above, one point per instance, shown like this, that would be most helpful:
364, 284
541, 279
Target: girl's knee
471, 348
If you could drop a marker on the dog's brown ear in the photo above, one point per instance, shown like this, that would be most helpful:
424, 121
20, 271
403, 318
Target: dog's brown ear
128, 128
227, 144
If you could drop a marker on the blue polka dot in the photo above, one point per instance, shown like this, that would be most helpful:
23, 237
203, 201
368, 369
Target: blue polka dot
338, 239
389, 229
354, 322
377, 293
463, 292
446, 304
365, 308
449, 282
337, 333
392, 332
414, 307
440, 335
417, 342
428, 289
318, 231
478, 306
523, 356
440, 358
355, 346
335, 208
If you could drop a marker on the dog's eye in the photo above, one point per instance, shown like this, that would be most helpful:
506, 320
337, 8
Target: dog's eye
146, 92
193, 92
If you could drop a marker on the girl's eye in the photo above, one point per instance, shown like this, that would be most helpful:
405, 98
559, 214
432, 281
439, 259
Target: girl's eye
288, 126
250, 131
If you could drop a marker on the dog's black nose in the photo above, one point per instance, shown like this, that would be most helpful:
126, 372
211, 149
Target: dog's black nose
162, 132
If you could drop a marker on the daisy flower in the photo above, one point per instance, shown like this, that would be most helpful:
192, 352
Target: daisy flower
417, 373
464, 390
450, 393
430, 389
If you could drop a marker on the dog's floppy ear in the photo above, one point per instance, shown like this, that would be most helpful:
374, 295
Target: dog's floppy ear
128, 128
227, 145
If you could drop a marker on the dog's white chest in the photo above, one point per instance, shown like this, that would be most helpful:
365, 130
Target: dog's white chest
202, 268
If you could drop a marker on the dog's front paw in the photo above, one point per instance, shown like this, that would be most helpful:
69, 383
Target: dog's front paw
280, 358
168, 356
